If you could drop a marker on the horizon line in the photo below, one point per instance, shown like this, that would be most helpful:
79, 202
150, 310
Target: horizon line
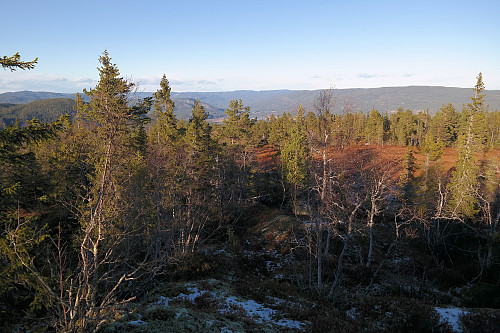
262, 90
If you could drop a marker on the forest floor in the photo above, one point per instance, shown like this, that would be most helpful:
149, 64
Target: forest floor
235, 287
257, 281
254, 284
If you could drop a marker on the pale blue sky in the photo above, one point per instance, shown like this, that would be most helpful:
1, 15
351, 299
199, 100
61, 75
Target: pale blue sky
256, 45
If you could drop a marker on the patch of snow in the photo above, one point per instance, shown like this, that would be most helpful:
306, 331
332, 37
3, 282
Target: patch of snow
137, 322
269, 265
401, 260
275, 300
163, 301
193, 294
353, 313
260, 313
309, 224
290, 323
256, 311
181, 312
451, 316
213, 252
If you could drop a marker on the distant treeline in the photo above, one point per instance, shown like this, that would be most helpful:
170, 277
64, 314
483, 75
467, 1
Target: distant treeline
403, 127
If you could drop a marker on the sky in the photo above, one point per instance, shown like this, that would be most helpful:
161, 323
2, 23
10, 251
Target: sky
252, 45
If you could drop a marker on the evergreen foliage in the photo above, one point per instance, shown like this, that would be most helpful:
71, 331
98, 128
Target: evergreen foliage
14, 62
237, 124
165, 125
464, 181
407, 178
295, 156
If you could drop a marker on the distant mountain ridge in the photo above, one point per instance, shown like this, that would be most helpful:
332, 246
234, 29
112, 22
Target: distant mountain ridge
415, 98
267, 102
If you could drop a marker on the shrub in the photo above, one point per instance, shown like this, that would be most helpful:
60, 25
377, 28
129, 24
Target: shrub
159, 313
483, 295
446, 278
481, 322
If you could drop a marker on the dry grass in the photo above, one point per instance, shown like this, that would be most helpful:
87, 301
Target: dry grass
355, 158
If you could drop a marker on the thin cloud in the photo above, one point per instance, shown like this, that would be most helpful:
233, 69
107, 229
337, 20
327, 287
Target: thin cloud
205, 82
21, 78
178, 83
152, 80
368, 75
40, 82
193, 82
82, 80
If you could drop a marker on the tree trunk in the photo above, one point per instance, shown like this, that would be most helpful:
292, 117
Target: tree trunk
370, 230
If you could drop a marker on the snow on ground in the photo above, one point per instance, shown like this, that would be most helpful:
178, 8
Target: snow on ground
258, 312
452, 316
353, 313
137, 322
193, 294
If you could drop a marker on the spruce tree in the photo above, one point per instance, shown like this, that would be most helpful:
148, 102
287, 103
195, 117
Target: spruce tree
198, 135
464, 181
295, 156
374, 129
165, 126
109, 224
406, 183
445, 125
237, 125
432, 171
14, 62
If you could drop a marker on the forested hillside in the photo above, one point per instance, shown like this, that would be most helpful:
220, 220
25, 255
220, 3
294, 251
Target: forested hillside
303, 221
50, 109
45, 110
